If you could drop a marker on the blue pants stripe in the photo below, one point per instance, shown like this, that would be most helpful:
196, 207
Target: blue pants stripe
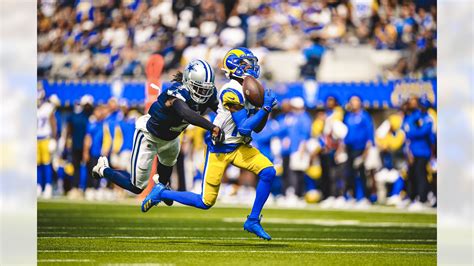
135, 137
134, 178
134, 152
204, 171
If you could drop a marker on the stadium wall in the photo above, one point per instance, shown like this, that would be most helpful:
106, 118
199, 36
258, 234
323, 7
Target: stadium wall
376, 95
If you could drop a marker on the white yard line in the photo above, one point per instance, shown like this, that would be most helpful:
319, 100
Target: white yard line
64, 260
334, 222
349, 245
247, 251
53, 232
137, 264
236, 238
322, 222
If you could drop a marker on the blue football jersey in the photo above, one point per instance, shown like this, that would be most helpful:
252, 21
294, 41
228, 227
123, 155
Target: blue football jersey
164, 122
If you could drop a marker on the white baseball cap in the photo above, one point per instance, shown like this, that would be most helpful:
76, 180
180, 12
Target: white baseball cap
87, 99
297, 102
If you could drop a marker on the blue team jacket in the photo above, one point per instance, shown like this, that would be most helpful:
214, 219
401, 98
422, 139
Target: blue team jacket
418, 128
284, 123
95, 130
262, 140
360, 130
300, 131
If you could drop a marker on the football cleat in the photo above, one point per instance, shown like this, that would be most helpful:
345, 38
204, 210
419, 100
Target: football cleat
98, 169
48, 191
39, 191
156, 178
252, 225
153, 198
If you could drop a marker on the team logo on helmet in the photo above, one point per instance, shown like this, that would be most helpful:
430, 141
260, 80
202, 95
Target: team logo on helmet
240, 62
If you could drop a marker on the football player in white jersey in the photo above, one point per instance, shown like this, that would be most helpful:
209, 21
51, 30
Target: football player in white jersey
46, 144
237, 118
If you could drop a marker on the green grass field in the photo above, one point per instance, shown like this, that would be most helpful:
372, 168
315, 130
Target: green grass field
86, 234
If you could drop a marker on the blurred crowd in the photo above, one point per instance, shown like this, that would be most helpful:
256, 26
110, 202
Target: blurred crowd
338, 157
107, 38
75, 141
335, 156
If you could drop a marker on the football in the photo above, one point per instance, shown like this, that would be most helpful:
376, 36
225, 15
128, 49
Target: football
253, 91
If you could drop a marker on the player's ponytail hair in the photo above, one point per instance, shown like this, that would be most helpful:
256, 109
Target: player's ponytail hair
178, 77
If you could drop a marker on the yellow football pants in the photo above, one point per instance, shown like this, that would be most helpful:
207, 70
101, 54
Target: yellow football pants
43, 155
245, 157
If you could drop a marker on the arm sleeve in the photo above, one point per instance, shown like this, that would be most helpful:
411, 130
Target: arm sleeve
262, 124
245, 125
191, 116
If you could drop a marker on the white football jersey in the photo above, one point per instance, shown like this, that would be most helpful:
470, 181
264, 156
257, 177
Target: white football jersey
44, 129
231, 93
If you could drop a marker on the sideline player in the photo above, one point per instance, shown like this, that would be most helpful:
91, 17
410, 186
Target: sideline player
46, 144
157, 133
237, 118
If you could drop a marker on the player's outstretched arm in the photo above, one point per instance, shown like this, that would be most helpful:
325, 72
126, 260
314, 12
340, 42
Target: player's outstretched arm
245, 125
262, 124
183, 110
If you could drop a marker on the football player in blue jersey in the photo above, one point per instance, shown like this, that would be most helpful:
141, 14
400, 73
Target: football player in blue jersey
157, 133
238, 119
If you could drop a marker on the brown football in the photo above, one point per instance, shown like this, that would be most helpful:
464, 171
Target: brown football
253, 91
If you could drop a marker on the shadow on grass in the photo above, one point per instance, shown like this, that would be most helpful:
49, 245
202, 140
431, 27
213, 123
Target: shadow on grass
261, 245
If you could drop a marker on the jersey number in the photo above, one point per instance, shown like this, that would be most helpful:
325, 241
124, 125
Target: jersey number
42, 121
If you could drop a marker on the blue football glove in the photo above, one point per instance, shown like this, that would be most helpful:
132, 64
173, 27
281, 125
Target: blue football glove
269, 100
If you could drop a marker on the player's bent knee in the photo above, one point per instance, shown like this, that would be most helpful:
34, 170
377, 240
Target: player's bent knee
207, 202
139, 185
204, 206
267, 174
169, 162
